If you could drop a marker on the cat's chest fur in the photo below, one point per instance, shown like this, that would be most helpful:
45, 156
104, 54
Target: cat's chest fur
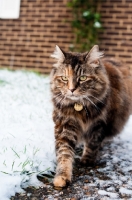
80, 119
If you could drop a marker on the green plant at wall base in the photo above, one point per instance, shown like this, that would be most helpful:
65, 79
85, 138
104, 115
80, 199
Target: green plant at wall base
85, 23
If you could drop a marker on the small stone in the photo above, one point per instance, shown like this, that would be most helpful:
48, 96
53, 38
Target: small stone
85, 187
34, 198
28, 194
88, 193
22, 194
61, 193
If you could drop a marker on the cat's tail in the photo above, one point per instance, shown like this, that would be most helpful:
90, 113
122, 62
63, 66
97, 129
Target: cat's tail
131, 96
126, 72
129, 90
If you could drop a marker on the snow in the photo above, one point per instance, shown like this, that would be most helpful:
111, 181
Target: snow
26, 130
9, 186
125, 191
27, 140
110, 194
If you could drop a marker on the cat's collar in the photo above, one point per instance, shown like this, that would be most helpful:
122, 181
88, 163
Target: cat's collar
78, 106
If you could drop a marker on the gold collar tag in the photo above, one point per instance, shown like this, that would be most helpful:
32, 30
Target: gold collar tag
78, 107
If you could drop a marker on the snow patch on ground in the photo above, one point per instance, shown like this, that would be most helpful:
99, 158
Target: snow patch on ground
125, 191
26, 130
110, 194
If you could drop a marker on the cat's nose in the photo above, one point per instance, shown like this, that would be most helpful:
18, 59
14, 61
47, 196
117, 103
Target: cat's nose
72, 90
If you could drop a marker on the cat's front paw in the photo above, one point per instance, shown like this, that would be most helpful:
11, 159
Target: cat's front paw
61, 181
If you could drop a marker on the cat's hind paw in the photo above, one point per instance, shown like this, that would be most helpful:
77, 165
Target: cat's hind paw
87, 162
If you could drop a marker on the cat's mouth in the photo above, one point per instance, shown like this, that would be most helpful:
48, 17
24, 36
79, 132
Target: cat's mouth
73, 97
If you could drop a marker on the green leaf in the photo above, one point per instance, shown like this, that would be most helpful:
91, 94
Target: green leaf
97, 16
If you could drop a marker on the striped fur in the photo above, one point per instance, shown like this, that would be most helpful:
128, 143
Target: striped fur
106, 97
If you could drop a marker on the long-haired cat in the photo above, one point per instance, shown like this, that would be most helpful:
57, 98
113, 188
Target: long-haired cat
92, 99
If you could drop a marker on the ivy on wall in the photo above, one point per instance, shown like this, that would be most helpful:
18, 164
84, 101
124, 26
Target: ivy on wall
85, 23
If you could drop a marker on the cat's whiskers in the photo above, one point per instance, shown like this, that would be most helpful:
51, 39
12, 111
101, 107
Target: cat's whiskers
63, 101
59, 100
57, 97
97, 99
93, 103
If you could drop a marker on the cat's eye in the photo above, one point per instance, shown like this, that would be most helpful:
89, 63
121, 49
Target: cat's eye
64, 78
83, 78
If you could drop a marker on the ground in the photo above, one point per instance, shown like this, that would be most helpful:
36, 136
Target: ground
105, 181
27, 148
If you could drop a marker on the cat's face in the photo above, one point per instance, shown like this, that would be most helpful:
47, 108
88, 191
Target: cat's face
78, 77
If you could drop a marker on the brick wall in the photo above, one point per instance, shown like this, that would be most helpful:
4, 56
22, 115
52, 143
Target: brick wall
116, 38
28, 41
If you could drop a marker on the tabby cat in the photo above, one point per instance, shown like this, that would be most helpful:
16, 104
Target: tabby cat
92, 98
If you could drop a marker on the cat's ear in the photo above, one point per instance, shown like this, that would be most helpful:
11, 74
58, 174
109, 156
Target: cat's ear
93, 57
58, 54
